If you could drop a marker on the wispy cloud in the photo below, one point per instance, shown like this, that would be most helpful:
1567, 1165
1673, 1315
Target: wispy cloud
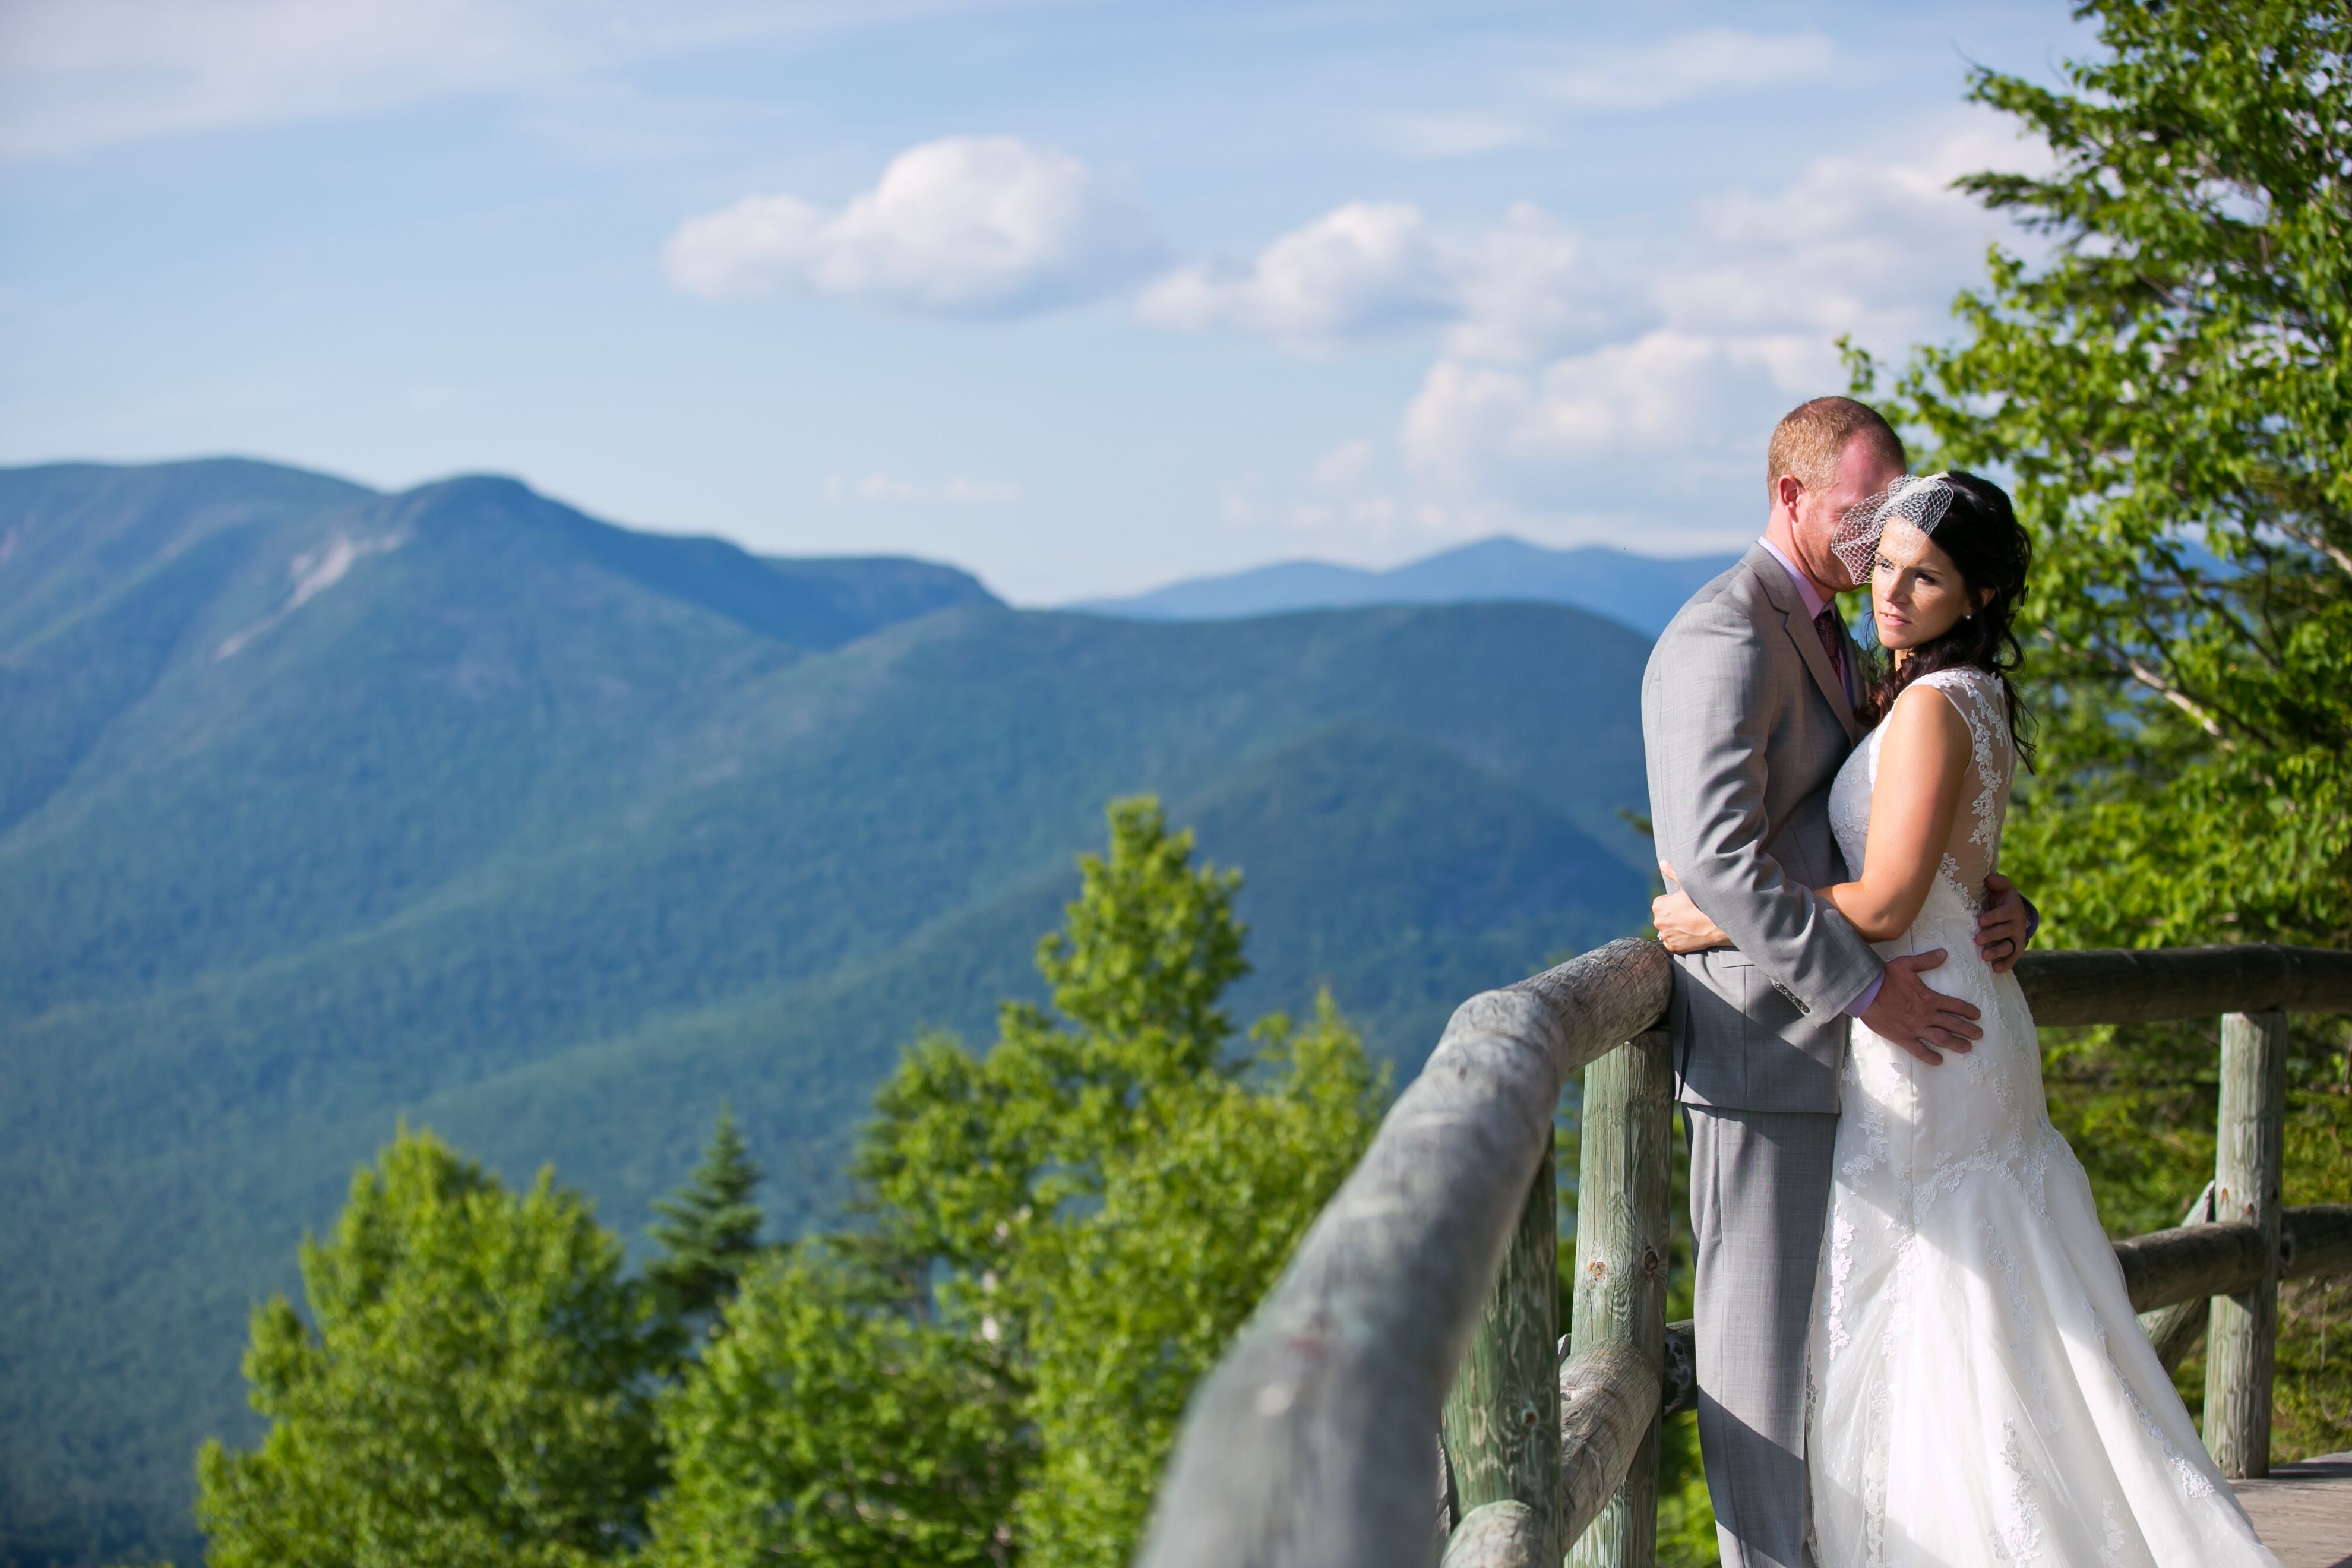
967, 225
888, 490
1715, 60
1454, 135
78, 74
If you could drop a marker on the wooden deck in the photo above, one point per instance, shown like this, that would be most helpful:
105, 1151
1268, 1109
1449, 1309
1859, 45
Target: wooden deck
2304, 1511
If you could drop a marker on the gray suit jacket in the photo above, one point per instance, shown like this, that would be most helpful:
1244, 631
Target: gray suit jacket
1746, 724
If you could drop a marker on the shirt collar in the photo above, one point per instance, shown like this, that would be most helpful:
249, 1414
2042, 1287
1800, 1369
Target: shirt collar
1814, 602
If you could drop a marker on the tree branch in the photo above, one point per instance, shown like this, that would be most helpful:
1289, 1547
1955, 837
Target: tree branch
2182, 701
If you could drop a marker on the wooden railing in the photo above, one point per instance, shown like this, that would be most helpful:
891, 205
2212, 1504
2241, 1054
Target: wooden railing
1425, 1296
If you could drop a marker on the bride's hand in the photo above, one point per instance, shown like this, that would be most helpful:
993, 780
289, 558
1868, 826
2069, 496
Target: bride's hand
1681, 925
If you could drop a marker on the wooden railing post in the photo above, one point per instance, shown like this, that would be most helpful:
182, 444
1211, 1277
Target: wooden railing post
1623, 1235
2241, 1339
1502, 1415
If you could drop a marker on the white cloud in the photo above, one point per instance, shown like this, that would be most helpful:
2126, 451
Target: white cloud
1584, 384
77, 74
1713, 60
966, 226
1716, 332
1665, 392
1527, 287
1364, 269
1872, 248
888, 490
1368, 269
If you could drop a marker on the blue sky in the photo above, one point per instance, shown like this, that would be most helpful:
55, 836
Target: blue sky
1084, 297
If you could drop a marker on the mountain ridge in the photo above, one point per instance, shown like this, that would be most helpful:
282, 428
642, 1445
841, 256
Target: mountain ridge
554, 839
1639, 591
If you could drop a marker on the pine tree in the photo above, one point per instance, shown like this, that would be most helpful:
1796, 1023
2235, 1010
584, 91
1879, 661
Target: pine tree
709, 1233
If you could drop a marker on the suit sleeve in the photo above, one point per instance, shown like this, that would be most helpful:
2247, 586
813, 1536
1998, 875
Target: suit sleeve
1706, 699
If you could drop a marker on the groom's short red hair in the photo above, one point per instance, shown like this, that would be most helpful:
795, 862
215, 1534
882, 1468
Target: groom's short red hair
1812, 436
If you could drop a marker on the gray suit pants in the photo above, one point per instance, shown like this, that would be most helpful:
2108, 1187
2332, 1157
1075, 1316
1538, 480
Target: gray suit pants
1760, 1194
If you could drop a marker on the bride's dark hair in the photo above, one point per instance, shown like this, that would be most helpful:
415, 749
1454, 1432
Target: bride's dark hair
1980, 533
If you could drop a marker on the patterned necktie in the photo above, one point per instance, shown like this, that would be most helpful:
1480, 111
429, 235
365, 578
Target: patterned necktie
1833, 640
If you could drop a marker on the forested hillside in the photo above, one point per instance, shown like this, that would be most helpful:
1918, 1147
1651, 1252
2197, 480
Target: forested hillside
321, 808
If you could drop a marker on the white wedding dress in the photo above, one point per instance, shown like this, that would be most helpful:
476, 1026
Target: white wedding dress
1980, 1389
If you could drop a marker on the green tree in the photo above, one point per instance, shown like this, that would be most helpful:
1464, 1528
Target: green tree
827, 1424
709, 1233
1075, 1222
469, 1389
2169, 387
2168, 383
1131, 1302
965, 1155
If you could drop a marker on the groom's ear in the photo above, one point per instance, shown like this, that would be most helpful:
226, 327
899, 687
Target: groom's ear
1787, 490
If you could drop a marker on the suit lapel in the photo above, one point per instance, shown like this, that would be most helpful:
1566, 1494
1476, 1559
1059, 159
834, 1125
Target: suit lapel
1800, 628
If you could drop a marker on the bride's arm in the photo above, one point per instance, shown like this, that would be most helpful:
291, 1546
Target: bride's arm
1922, 763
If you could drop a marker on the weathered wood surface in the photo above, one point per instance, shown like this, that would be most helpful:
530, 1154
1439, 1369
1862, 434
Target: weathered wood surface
2316, 1243
2241, 1337
2176, 1330
1449, 1506
1309, 1443
2193, 1263
2143, 986
2302, 1511
1498, 1535
1608, 1404
1502, 1415
1625, 1234
2197, 1261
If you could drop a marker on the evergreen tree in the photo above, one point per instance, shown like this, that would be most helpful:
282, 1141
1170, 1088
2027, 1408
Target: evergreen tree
709, 1234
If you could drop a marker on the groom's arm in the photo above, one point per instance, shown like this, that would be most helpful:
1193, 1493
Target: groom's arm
1707, 709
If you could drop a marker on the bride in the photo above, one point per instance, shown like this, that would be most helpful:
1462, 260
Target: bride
1980, 1390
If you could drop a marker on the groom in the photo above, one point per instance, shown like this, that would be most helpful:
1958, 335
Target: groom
1747, 710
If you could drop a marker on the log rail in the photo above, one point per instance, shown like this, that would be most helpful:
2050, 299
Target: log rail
1421, 1297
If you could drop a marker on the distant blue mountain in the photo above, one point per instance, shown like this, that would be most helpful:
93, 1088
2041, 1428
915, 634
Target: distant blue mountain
1640, 591
321, 807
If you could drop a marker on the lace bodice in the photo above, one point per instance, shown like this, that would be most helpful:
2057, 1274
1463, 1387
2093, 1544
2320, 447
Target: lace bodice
1975, 846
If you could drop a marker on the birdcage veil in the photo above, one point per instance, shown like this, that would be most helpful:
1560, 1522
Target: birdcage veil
1919, 499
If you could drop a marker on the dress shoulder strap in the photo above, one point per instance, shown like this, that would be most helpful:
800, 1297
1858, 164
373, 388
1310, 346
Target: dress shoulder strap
1977, 695
1983, 703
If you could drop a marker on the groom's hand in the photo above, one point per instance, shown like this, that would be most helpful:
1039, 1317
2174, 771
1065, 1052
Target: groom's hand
1921, 1021
2004, 925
